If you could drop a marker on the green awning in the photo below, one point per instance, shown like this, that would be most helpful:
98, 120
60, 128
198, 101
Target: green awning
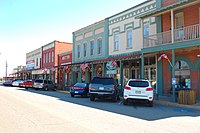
162, 10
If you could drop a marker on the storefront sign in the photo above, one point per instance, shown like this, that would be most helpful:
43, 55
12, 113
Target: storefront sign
111, 71
30, 65
110, 65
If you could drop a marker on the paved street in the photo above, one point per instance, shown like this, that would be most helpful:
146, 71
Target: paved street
33, 111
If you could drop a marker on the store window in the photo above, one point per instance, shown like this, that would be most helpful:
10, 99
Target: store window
182, 75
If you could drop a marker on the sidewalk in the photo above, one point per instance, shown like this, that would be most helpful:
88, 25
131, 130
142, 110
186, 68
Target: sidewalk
166, 101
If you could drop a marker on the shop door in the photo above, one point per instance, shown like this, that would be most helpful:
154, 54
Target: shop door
135, 73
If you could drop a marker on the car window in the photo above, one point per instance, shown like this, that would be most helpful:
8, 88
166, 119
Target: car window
39, 81
79, 85
104, 81
138, 83
50, 82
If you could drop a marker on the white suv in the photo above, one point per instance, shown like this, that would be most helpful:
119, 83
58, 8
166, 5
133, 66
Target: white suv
138, 89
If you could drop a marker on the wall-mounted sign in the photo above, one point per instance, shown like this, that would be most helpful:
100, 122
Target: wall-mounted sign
111, 65
111, 72
30, 64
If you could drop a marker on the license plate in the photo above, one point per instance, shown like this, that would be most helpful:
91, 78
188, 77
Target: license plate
137, 92
76, 92
101, 88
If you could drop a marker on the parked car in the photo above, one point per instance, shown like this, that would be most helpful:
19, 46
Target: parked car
44, 84
138, 89
17, 82
27, 84
79, 89
104, 87
8, 82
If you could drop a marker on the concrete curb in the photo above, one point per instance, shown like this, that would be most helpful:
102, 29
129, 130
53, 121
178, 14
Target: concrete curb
63, 91
166, 103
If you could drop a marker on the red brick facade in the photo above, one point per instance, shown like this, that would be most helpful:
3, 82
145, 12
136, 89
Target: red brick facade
194, 74
191, 17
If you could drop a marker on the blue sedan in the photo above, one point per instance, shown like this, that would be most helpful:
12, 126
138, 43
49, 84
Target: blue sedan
81, 89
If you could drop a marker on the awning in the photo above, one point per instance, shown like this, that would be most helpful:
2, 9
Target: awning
165, 9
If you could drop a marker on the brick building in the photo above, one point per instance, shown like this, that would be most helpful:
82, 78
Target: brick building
177, 37
50, 58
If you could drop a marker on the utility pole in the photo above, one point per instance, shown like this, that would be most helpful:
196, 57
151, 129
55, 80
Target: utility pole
6, 68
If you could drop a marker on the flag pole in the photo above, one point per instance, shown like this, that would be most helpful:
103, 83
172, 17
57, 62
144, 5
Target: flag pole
169, 62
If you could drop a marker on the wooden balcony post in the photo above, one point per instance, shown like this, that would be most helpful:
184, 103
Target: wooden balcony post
172, 25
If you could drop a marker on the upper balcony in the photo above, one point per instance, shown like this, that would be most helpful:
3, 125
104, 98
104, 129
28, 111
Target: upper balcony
179, 35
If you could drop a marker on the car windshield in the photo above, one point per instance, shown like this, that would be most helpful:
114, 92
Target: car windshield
80, 85
138, 83
104, 81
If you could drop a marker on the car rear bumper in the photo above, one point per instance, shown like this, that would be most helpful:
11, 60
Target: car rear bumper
135, 97
78, 92
103, 94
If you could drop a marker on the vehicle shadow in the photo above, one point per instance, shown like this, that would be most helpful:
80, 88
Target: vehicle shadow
137, 110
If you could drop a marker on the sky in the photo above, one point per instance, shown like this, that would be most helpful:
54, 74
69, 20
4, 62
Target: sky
26, 25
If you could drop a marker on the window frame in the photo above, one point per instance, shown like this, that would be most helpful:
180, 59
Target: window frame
85, 49
92, 47
116, 41
79, 51
129, 40
99, 46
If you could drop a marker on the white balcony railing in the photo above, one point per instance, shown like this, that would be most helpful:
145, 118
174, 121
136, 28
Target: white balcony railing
181, 34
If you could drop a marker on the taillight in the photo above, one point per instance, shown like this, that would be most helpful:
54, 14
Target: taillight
127, 88
149, 89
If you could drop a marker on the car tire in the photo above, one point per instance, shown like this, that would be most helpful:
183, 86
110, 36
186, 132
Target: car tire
125, 102
115, 99
150, 103
72, 95
118, 98
92, 98
26, 88
46, 88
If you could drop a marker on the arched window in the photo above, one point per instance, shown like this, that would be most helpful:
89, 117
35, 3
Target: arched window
182, 74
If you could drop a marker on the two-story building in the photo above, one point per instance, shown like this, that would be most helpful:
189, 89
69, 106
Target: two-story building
126, 41
50, 58
90, 48
33, 63
64, 69
176, 44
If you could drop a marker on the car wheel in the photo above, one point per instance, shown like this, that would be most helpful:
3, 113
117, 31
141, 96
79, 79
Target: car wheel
150, 103
92, 98
125, 102
46, 88
118, 98
26, 88
72, 95
115, 99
